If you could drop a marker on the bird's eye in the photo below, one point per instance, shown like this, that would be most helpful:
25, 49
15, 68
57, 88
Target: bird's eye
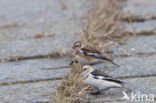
84, 69
76, 45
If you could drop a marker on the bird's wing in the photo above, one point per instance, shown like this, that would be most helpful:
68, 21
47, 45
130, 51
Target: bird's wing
90, 49
92, 52
101, 75
99, 56
113, 80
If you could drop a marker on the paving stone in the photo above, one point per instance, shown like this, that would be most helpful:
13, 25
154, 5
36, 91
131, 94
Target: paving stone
33, 47
40, 16
137, 85
135, 67
39, 30
48, 21
137, 44
145, 27
28, 93
28, 70
140, 8
131, 66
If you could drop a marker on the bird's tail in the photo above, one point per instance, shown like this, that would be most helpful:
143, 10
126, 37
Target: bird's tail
105, 58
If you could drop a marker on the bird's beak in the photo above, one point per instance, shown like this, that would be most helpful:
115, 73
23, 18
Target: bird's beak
73, 47
80, 70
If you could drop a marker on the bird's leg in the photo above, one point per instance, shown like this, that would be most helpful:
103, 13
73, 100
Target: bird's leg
81, 66
99, 92
96, 93
71, 62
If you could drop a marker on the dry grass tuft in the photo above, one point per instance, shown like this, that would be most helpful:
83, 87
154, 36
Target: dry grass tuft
104, 26
72, 89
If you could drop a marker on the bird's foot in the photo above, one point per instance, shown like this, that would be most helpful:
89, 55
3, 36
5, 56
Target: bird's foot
96, 93
71, 63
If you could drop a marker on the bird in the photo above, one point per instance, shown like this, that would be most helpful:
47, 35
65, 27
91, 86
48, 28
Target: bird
86, 54
99, 80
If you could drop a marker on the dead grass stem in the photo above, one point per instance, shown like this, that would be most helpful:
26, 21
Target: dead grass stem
72, 89
104, 27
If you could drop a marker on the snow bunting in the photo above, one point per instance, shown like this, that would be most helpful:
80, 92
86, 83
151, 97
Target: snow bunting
99, 80
86, 54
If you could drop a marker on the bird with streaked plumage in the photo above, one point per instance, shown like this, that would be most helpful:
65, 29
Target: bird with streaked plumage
86, 54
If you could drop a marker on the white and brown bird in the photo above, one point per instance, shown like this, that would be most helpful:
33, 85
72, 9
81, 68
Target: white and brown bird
99, 79
86, 54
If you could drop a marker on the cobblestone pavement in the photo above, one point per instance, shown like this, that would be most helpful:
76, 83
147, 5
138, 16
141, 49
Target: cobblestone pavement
136, 55
29, 31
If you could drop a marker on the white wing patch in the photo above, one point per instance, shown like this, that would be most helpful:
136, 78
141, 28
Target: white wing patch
100, 77
92, 54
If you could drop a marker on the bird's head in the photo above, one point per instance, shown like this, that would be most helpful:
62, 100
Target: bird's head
86, 70
77, 45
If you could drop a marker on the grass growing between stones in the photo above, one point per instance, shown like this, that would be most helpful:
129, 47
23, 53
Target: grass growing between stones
102, 30
72, 89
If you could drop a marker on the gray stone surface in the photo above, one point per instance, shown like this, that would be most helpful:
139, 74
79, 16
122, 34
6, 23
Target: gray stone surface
22, 21
28, 93
37, 16
145, 28
136, 55
40, 27
136, 68
27, 70
33, 47
140, 8
131, 66
137, 44
30, 28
